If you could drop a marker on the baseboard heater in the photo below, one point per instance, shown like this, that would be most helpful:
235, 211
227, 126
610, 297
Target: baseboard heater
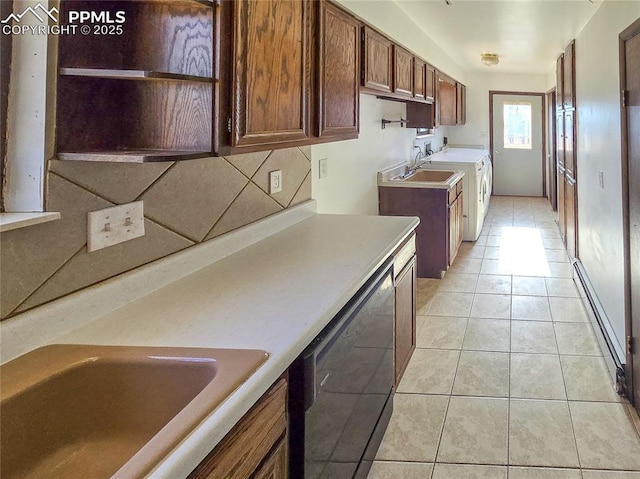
614, 354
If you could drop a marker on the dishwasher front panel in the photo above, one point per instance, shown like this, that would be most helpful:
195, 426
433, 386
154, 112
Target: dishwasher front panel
347, 381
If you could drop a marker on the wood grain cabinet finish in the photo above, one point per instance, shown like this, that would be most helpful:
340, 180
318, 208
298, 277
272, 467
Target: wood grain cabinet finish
402, 72
446, 102
276, 466
455, 226
419, 79
560, 82
430, 83
461, 100
435, 246
271, 76
377, 61
145, 95
569, 81
256, 447
338, 73
405, 318
569, 138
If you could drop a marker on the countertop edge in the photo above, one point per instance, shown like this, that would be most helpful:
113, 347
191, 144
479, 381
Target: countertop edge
194, 448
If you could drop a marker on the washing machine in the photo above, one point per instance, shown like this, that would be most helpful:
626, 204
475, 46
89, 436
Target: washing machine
476, 163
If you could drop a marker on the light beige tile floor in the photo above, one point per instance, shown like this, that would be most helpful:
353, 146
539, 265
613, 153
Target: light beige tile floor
508, 381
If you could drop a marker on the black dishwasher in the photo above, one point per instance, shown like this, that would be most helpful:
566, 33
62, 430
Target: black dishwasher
341, 388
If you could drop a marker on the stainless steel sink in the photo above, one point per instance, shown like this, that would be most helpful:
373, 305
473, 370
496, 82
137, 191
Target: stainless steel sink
109, 411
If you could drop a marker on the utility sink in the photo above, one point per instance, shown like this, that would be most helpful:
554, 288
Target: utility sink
432, 176
78, 411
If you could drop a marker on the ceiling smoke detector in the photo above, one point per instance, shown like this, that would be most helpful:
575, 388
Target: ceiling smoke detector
490, 59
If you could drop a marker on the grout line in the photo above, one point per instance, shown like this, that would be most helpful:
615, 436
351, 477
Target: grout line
225, 211
44, 282
154, 182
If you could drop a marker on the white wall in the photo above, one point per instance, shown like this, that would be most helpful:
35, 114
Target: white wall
351, 184
599, 149
476, 129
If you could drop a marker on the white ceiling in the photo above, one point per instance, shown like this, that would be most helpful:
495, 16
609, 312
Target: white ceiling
527, 34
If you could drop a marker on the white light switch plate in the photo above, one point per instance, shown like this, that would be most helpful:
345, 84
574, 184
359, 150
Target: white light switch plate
114, 225
275, 181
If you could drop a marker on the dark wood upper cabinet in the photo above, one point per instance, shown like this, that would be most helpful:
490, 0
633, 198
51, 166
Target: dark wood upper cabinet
271, 73
377, 61
560, 82
402, 72
569, 81
419, 79
430, 83
461, 108
446, 101
338, 73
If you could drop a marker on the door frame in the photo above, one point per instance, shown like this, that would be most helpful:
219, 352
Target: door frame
544, 132
627, 34
550, 97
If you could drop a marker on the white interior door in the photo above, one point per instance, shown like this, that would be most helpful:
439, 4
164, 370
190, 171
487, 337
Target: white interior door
517, 145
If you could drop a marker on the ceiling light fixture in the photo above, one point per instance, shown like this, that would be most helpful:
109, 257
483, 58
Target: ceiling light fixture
490, 59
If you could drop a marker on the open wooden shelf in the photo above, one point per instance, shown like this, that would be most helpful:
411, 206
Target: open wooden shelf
133, 156
131, 74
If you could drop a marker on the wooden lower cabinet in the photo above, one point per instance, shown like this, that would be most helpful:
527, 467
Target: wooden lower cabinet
256, 447
276, 466
405, 317
435, 251
455, 226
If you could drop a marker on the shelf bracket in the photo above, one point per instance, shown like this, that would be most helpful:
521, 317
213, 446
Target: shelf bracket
384, 122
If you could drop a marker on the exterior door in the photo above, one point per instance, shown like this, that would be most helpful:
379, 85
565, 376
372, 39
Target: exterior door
630, 79
517, 141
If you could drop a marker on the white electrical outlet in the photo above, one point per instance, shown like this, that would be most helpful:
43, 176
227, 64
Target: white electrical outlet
323, 168
114, 225
275, 182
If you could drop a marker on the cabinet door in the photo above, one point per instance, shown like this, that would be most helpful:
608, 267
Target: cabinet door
569, 80
377, 61
446, 103
276, 466
244, 449
460, 104
560, 82
455, 228
402, 72
419, 79
271, 80
338, 70
405, 318
560, 137
569, 138
571, 227
561, 202
430, 93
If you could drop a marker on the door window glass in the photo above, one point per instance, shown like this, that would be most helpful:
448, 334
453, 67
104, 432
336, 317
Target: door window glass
517, 124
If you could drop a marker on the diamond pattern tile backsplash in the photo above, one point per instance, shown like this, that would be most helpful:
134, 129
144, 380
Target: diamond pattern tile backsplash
185, 203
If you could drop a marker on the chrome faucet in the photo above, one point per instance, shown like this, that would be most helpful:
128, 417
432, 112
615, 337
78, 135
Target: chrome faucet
414, 165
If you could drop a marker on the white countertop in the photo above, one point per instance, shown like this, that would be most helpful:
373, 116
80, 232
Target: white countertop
459, 155
275, 295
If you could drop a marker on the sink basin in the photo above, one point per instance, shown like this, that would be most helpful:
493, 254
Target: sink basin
109, 411
432, 176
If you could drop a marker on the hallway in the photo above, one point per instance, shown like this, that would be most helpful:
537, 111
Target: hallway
507, 380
